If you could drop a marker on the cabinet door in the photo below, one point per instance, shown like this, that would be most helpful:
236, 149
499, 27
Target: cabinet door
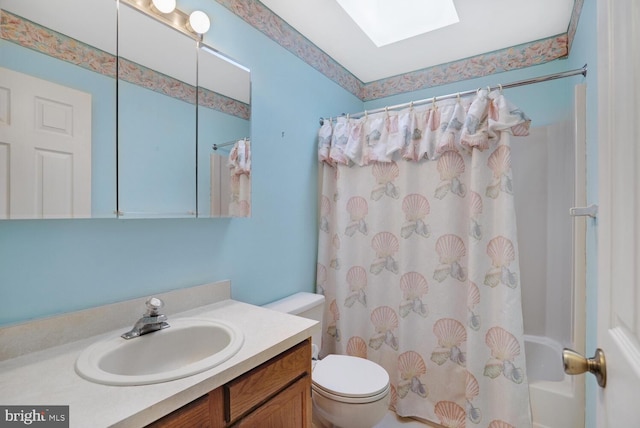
289, 409
257, 386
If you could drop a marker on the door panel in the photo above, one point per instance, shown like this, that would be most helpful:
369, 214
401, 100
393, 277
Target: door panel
619, 214
45, 149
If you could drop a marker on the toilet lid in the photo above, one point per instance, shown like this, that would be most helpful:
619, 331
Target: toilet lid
351, 377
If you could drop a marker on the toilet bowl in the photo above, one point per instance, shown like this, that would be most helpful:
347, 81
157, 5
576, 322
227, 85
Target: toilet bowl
347, 391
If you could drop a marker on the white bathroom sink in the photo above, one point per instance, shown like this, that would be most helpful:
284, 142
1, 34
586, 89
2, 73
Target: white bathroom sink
187, 347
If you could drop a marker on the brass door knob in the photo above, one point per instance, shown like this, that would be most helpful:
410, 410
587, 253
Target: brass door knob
575, 363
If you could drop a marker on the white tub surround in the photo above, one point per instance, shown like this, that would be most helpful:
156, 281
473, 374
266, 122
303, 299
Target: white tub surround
544, 359
550, 167
48, 377
556, 398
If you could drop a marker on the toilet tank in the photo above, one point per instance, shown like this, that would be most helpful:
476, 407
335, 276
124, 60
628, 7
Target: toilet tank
306, 305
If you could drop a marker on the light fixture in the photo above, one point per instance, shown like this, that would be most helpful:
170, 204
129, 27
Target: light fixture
164, 6
165, 11
199, 22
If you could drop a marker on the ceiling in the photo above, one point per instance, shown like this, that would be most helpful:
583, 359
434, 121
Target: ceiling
485, 26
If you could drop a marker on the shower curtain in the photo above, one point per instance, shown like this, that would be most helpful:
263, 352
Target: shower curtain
418, 258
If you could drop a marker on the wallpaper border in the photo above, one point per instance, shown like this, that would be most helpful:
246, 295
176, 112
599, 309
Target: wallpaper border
538, 52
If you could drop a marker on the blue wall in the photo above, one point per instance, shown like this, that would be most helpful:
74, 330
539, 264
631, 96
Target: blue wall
48, 267
54, 266
156, 153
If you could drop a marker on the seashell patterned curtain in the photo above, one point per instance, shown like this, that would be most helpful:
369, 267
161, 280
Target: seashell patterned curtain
418, 257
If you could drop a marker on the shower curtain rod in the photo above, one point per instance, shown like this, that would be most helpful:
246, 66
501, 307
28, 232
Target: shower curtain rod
228, 143
548, 77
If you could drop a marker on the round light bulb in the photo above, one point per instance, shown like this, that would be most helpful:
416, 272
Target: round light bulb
165, 6
199, 22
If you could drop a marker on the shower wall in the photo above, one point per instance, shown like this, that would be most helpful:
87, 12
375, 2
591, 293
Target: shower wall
543, 167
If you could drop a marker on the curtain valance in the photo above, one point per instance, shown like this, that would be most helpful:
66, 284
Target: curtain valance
423, 132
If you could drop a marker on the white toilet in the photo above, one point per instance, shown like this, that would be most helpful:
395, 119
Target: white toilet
348, 392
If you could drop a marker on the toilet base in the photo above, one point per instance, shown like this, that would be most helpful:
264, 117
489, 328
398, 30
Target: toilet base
331, 414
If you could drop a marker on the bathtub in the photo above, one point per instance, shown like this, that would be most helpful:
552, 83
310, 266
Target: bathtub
556, 399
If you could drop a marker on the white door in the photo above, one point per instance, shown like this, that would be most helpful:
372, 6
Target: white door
45, 148
619, 218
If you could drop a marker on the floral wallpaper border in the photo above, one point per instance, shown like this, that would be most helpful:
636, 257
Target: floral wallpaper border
33, 36
25, 33
41, 39
217, 101
148, 78
262, 18
513, 58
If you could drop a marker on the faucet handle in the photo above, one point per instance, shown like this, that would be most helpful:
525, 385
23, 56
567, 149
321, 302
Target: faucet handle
153, 305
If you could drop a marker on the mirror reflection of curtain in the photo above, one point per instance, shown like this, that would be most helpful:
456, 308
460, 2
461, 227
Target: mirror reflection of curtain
240, 179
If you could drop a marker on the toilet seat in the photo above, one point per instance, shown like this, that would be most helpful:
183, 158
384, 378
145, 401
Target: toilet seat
350, 379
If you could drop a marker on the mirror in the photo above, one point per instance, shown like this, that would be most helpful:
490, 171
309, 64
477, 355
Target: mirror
157, 78
104, 147
224, 126
59, 70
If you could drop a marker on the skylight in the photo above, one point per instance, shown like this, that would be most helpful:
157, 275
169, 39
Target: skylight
389, 21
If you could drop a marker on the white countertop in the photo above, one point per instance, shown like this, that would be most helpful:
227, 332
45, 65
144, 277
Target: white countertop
48, 377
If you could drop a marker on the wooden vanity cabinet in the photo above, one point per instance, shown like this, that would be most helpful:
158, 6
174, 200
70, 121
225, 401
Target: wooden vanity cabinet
276, 394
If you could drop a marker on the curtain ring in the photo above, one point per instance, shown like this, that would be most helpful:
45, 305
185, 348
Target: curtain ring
411, 105
458, 96
500, 86
433, 103
386, 110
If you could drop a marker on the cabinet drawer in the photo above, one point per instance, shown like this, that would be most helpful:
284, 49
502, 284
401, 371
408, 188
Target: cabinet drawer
260, 384
195, 415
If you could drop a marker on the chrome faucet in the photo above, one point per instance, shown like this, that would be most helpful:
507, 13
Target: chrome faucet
151, 321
